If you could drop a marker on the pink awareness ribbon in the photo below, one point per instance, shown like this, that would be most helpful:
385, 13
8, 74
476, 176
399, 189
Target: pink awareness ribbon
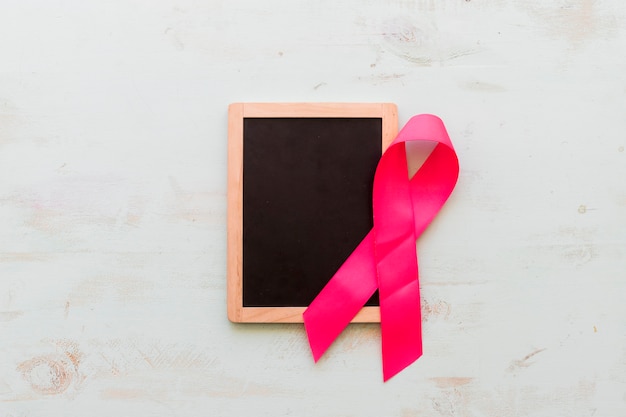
386, 259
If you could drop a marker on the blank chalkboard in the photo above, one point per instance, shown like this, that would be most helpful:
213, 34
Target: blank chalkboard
299, 201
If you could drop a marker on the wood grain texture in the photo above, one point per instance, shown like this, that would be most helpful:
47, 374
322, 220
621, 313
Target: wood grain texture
234, 241
113, 167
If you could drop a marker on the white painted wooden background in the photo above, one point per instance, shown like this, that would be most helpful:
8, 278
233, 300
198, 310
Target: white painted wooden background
113, 206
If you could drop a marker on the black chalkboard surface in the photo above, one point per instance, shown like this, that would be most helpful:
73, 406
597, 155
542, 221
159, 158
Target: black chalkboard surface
300, 185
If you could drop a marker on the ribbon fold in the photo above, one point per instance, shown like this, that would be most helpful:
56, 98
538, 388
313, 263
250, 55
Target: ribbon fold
386, 259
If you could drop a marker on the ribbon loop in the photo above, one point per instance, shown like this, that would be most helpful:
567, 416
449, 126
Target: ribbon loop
386, 259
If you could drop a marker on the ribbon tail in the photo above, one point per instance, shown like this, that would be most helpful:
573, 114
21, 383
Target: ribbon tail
342, 298
400, 313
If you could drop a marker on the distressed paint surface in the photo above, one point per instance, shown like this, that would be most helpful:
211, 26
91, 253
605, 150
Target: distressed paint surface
113, 206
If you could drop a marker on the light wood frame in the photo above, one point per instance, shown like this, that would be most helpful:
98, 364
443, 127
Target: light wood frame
387, 112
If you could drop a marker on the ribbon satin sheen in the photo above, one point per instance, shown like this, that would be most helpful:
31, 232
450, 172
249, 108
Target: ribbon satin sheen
386, 258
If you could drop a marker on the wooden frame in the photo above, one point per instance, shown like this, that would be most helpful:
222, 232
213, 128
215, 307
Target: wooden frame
387, 112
